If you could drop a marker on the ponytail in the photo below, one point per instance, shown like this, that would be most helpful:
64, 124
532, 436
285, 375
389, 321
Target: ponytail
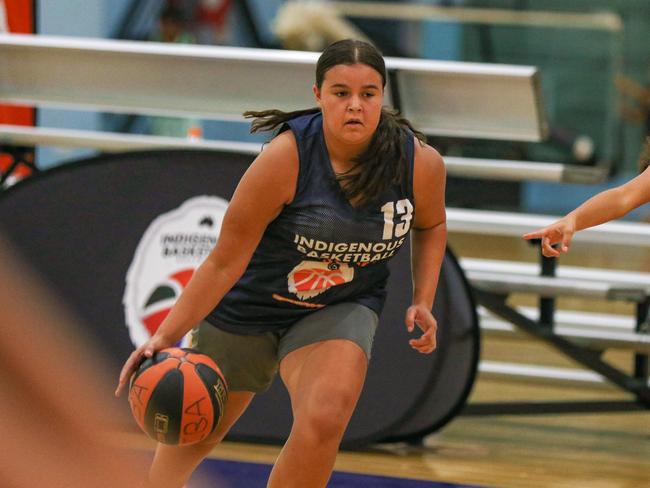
269, 120
381, 166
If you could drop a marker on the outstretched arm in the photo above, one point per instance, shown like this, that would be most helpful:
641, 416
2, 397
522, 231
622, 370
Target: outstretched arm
265, 188
428, 241
603, 207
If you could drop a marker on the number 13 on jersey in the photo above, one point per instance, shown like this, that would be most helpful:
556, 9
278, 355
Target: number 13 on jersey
404, 209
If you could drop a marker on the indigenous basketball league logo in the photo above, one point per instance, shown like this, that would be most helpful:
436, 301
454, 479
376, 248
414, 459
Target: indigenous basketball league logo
311, 278
172, 247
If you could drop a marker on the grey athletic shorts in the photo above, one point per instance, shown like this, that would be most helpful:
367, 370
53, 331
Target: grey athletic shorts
250, 362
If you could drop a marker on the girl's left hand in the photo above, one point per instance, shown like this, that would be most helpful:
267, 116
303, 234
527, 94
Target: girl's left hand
560, 232
422, 317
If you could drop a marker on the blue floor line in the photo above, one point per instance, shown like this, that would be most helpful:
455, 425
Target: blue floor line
217, 473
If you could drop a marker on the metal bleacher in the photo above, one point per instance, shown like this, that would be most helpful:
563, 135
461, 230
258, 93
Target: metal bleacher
604, 330
577, 334
456, 166
222, 82
581, 336
134, 77
450, 99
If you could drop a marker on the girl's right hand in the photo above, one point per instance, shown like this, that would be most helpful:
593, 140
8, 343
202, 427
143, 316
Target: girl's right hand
146, 350
560, 232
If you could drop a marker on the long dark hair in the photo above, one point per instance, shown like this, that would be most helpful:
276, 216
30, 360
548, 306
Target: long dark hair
383, 163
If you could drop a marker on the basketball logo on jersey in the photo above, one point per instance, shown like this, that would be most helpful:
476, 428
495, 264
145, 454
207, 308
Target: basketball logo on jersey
311, 278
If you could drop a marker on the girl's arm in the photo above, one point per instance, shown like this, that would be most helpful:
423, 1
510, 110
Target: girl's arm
428, 241
266, 187
603, 207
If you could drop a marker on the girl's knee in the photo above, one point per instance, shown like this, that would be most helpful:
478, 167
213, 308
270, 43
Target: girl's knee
328, 416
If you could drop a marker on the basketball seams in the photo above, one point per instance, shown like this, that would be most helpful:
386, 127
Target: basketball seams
140, 391
198, 415
211, 380
147, 363
165, 405
198, 358
178, 396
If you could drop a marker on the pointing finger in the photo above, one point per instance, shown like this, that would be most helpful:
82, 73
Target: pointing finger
538, 234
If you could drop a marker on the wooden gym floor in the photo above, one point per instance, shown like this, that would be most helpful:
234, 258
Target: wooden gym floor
604, 450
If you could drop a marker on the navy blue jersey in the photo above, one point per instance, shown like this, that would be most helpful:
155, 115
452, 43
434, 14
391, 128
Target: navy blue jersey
320, 250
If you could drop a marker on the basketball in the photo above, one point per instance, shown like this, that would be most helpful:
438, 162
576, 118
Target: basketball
177, 396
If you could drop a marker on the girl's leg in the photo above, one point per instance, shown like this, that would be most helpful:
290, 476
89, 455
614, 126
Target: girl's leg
324, 381
173, 465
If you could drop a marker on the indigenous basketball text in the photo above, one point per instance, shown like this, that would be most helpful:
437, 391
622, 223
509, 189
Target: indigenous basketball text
347, 252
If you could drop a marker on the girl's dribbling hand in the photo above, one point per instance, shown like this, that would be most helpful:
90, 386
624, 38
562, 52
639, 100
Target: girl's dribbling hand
422, 317
560, 232
146, 350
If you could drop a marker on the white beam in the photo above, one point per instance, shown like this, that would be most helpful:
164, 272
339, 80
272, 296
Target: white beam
444, 98
488, 222
608, 21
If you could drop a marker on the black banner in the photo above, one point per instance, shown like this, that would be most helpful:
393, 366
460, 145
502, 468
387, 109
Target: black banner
117, 237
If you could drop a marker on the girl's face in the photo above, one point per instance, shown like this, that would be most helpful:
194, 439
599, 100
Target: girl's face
351, 98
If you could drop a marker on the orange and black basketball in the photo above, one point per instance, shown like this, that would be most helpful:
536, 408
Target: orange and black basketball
178, 396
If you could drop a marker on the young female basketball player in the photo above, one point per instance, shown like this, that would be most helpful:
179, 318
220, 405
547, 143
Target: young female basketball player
603, 207
297, 279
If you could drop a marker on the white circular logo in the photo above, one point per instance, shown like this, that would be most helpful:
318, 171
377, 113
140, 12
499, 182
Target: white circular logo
172, 247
